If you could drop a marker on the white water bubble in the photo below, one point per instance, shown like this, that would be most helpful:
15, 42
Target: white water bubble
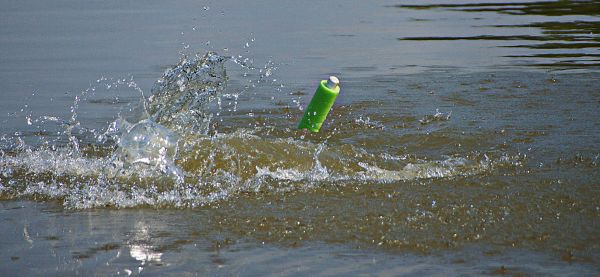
150, 144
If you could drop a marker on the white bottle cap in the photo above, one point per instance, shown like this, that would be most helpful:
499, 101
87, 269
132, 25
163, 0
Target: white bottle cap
332, 82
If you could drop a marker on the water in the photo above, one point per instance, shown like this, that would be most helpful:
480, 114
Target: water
465, 140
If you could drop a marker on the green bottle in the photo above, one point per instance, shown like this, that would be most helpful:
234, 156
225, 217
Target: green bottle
320, 104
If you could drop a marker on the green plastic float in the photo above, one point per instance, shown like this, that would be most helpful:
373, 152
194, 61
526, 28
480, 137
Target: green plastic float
320, 104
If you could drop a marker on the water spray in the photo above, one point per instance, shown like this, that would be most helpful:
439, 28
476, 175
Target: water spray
320, 104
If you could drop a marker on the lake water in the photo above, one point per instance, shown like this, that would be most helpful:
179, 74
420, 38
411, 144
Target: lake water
465, 139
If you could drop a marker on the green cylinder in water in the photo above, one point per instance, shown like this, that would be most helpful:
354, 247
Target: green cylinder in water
320, 104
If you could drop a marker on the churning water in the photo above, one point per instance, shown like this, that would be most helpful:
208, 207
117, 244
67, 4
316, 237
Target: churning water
465, 141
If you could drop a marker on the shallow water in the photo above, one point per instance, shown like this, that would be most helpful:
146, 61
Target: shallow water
465, 139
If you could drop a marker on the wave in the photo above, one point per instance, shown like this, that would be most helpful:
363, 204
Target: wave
167, 157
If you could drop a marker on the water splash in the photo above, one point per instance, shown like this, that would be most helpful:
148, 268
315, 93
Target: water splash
181, 97
179, 106
438, 116
165, 155
147, 144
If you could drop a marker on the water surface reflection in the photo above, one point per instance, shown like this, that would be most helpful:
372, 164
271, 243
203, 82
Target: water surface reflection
560, 33
140, 247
